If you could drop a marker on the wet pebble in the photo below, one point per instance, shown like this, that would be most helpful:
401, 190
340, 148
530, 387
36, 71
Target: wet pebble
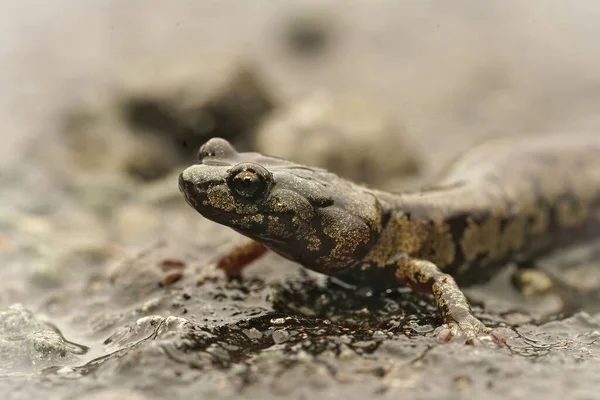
252, 333
280, 336
27, 343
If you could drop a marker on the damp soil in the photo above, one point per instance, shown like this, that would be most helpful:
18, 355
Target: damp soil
108, 286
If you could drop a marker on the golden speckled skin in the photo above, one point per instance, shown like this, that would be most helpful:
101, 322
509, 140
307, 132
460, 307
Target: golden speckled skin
501, 201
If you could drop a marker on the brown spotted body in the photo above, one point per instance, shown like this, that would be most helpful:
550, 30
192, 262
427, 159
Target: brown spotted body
502, 201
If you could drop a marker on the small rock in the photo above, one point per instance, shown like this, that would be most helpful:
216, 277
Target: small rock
280, 336
218, 352
304, 356
345, 134
135, 221
28, 344
379, 335
139, 276
346, 352
252, 333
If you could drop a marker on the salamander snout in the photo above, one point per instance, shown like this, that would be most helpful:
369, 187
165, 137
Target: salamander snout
197, 180
189, 188
184, 185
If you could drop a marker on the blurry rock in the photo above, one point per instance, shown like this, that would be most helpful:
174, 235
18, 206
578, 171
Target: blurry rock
188, 103
137, 277
102, 191
52, 250
150, 270
27, 344
309, 32
346, 135
136, 221
69, 264
158, 116
191, 101
96, 139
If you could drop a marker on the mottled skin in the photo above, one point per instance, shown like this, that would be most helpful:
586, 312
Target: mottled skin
502, 201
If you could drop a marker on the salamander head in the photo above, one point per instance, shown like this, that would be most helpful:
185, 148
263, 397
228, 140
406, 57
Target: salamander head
305, 214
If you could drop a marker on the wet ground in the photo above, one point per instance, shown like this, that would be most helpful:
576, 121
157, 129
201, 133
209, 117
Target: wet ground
108, 288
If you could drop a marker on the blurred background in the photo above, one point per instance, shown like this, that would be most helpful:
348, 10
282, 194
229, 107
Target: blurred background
103, 103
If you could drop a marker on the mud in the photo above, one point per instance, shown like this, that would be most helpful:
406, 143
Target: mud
108, 289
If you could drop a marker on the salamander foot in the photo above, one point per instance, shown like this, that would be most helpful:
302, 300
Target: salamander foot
471, 330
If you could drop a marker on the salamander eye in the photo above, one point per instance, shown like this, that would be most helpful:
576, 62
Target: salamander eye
250, 180
215, 147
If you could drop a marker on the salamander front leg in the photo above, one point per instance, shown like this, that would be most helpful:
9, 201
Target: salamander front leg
240, 256
459, 320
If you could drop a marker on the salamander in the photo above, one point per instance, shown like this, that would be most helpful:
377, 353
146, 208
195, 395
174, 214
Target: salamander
501, 201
